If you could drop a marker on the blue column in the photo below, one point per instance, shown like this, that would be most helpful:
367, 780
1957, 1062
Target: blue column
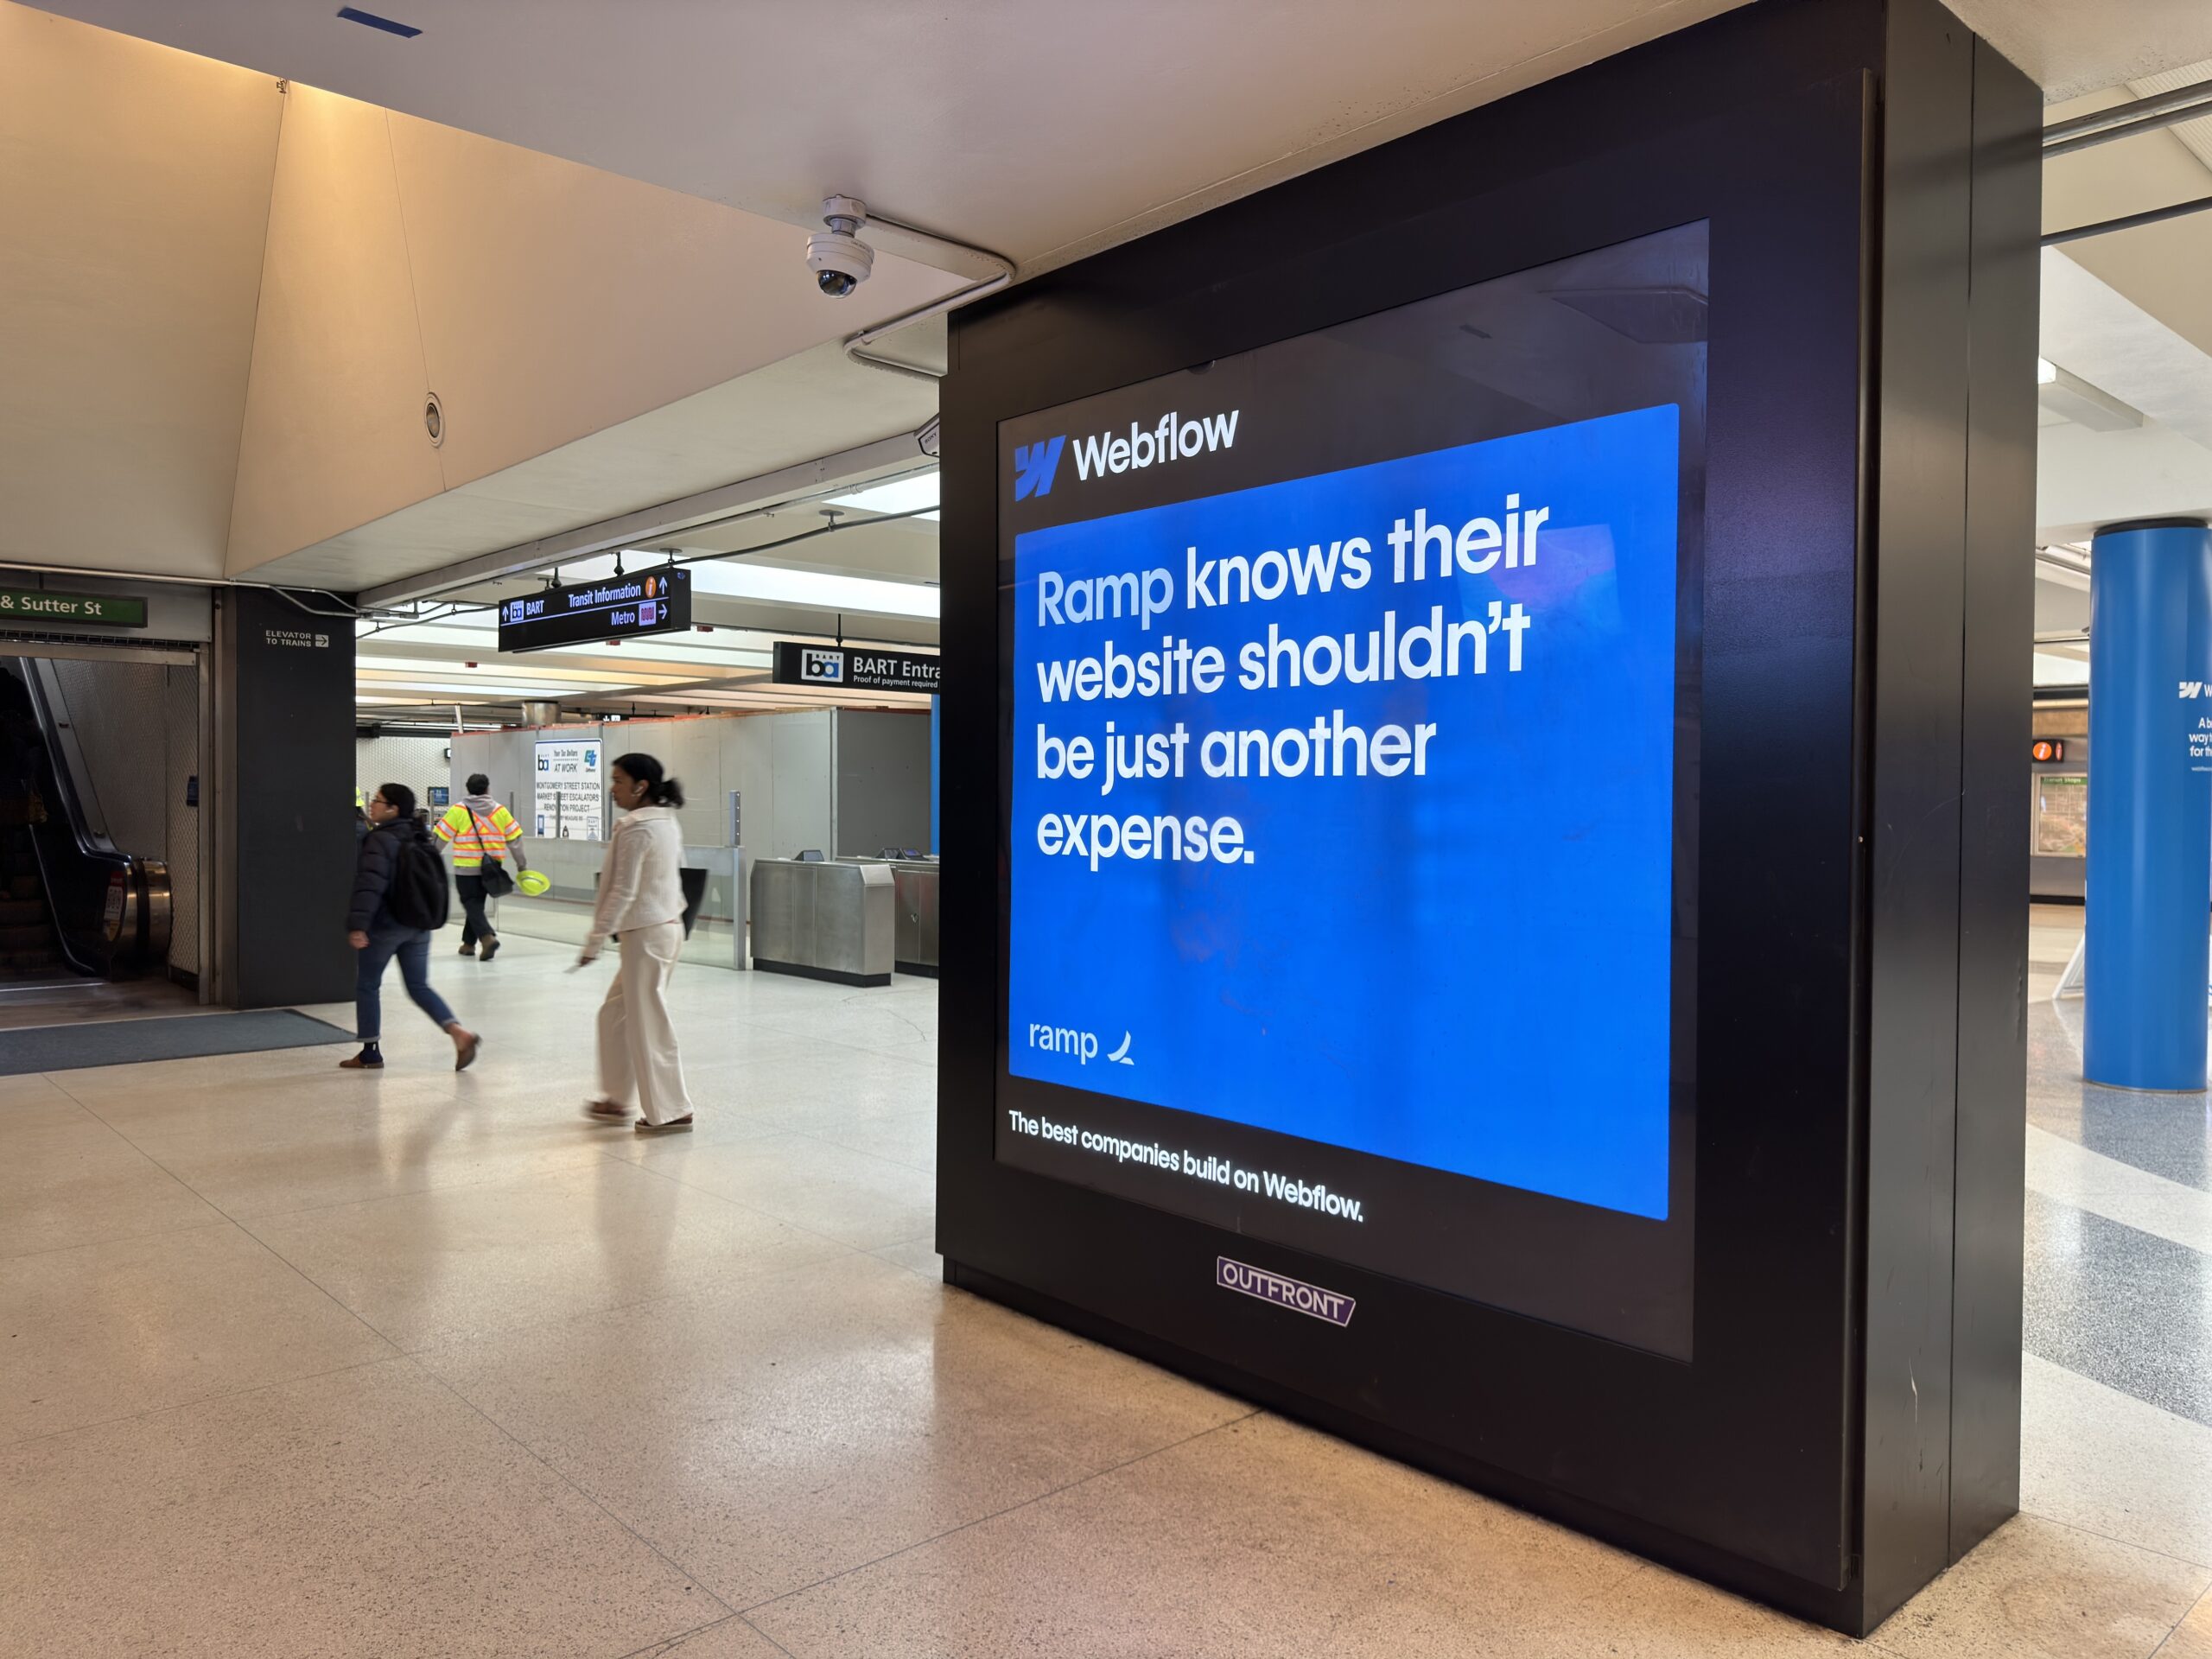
2149, 866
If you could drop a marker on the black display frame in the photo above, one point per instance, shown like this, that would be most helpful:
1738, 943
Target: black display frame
1868, 172
1607, 1273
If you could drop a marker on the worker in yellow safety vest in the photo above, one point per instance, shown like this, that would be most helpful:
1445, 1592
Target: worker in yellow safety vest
482, 833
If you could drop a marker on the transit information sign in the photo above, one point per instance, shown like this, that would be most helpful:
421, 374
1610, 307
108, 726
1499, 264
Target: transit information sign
658, 601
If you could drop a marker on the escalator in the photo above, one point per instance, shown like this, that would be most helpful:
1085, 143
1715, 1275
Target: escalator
72, 902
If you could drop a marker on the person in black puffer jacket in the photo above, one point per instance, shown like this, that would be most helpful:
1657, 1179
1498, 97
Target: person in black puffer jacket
379, 936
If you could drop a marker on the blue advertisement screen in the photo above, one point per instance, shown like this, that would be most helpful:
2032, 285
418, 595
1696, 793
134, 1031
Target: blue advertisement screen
1342, 807
1351, 704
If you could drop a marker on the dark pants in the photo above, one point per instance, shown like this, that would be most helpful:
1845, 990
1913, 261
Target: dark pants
412, 946
471, 888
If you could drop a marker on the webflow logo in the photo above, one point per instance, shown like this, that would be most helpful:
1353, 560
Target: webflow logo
1173, 438
2191, 688
1035, 466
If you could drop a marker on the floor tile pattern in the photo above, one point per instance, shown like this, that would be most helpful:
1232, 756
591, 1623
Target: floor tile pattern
298, 1363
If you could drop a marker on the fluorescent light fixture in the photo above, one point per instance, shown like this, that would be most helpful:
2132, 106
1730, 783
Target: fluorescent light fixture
899, 495
2046, 373
2051, 668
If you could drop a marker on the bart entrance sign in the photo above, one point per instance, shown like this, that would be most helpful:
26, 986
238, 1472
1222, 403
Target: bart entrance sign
849, 668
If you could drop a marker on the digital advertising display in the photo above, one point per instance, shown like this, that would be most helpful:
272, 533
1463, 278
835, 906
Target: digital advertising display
1349, 843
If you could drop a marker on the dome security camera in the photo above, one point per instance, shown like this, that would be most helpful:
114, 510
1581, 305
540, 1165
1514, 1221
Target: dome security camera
837, 257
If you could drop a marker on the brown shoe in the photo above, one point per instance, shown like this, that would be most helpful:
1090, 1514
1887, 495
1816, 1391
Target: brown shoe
362, 1061
465, 1051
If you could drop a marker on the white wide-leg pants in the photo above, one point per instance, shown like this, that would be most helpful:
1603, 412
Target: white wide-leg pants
638, 1061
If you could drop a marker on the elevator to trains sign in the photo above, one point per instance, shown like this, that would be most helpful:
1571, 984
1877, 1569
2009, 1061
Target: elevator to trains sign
34, 605
849, 668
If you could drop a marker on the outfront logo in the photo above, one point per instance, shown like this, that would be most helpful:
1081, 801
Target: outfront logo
1034, 466
1331, 1306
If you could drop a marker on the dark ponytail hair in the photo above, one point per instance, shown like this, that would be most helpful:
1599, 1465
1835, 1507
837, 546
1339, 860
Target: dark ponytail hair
661, 790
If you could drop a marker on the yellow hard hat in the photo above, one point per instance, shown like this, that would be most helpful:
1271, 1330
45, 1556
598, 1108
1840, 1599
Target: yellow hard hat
533, 884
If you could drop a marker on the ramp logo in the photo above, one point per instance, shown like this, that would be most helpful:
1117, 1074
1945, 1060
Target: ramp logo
1035, 465
1082, 1046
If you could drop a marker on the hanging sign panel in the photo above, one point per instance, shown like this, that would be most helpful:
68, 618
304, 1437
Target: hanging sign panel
849, 668
621, 607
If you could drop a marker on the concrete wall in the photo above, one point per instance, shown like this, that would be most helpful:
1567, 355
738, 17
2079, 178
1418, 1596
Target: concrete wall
417, 762
883, 780
829, 779
133, 185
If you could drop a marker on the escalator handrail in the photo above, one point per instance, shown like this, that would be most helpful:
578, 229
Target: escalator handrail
65, 757
72, 781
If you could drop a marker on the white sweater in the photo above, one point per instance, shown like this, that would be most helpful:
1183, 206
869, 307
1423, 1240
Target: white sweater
639, 885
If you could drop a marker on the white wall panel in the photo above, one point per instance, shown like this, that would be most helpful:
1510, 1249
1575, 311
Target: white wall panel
133, 197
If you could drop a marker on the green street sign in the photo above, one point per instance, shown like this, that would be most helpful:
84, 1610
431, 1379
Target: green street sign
34, 605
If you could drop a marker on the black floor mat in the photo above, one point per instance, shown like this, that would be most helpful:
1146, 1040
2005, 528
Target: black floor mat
125, 1042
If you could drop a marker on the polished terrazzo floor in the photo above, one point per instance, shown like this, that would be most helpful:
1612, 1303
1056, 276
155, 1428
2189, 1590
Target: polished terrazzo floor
294, 1363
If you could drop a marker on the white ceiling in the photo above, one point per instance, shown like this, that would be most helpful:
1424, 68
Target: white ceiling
1048, 131
1042, 130
2072, 47
810, 404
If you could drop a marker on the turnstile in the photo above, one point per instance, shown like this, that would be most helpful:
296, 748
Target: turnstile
823, 920
914, 922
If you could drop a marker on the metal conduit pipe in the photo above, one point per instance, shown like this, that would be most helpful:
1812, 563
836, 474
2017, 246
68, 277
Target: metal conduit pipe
2149, 114
2126, 120
856, 345
2128, 221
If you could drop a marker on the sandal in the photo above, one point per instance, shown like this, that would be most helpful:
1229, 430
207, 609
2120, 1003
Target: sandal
674, 1126
606, 1111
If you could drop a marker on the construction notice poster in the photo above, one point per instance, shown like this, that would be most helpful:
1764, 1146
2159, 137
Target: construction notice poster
571, 790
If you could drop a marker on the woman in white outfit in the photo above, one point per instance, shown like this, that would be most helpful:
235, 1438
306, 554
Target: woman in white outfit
641, 899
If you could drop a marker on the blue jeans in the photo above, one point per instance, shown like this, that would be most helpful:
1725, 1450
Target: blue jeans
412, 946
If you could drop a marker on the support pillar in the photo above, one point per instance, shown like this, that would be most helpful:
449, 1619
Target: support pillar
2150, 874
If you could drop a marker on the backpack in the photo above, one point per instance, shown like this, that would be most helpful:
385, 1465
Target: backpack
418, 896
